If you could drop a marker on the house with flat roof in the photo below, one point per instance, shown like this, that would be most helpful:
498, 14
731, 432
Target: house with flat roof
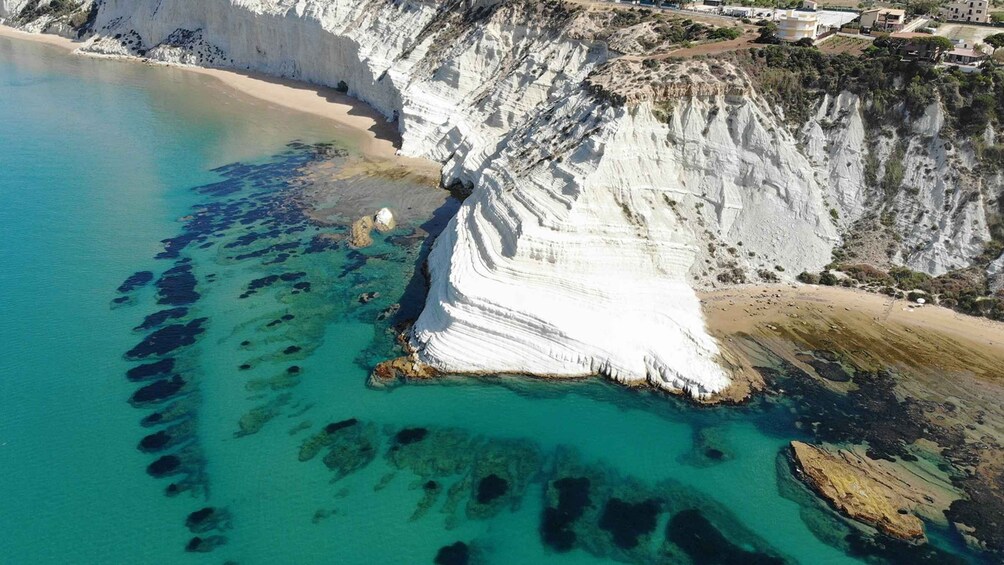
975, 11
794, 25
883, 19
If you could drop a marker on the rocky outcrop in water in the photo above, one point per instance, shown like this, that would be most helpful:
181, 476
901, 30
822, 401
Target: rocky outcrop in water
854, 492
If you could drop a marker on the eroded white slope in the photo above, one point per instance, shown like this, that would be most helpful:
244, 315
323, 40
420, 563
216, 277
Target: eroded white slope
563, 268
11, 8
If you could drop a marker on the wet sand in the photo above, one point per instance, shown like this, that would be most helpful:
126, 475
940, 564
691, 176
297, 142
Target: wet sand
371, 133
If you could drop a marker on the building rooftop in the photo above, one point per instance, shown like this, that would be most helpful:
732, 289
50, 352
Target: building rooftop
886, 11
967, 53
799, 16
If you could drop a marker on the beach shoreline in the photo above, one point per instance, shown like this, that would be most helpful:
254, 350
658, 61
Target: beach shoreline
873, 330
372, 134
767, 303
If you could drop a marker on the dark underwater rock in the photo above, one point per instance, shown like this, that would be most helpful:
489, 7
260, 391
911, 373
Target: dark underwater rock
176, 287
490, 488
982, 510
454, 554
891, 550
158, 391
155, 441
164, 466
410, 435
135, 280
207, 519
830, 370
334, 427
167, 339
355, 261
628, 521
691, 531
158, 318
204, 545
872, 413
143, 372
557, 522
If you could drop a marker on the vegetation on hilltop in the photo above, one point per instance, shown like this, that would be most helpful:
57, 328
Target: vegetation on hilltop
796, 78
646, 32
36, 9
70, 12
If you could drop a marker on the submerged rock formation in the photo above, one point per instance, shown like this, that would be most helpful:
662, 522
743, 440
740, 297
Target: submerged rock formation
604, 188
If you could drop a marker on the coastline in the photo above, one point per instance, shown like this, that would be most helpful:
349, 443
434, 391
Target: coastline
375, 138
764, 306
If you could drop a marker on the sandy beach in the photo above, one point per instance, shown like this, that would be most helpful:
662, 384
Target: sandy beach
370, 132
872, 328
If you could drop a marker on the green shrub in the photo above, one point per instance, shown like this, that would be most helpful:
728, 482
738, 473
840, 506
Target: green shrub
808, 278
725, 33
767, 275
866, 273
910, 279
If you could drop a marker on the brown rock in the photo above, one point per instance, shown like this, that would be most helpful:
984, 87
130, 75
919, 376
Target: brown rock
402, 368
854, 492
360, 236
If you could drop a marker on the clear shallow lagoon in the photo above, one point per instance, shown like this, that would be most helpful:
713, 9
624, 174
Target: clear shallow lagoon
98, 163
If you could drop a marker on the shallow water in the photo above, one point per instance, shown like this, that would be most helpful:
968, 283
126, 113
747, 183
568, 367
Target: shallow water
100, 160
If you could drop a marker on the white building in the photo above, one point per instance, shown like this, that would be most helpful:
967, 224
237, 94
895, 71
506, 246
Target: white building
976, 11
794, 25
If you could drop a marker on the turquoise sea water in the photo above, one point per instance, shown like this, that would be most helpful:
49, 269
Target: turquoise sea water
273, 427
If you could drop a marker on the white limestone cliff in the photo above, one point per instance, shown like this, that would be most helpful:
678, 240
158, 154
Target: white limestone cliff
593, 216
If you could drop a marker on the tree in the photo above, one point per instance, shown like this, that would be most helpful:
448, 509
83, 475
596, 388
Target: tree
725, 33
767, 33
939, 44
996, 41
924, 7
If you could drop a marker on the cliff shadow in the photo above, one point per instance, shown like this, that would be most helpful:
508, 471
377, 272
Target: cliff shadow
413, 299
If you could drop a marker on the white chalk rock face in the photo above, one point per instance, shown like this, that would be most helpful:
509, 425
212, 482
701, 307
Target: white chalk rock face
384, 220
11, 8
568, 269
